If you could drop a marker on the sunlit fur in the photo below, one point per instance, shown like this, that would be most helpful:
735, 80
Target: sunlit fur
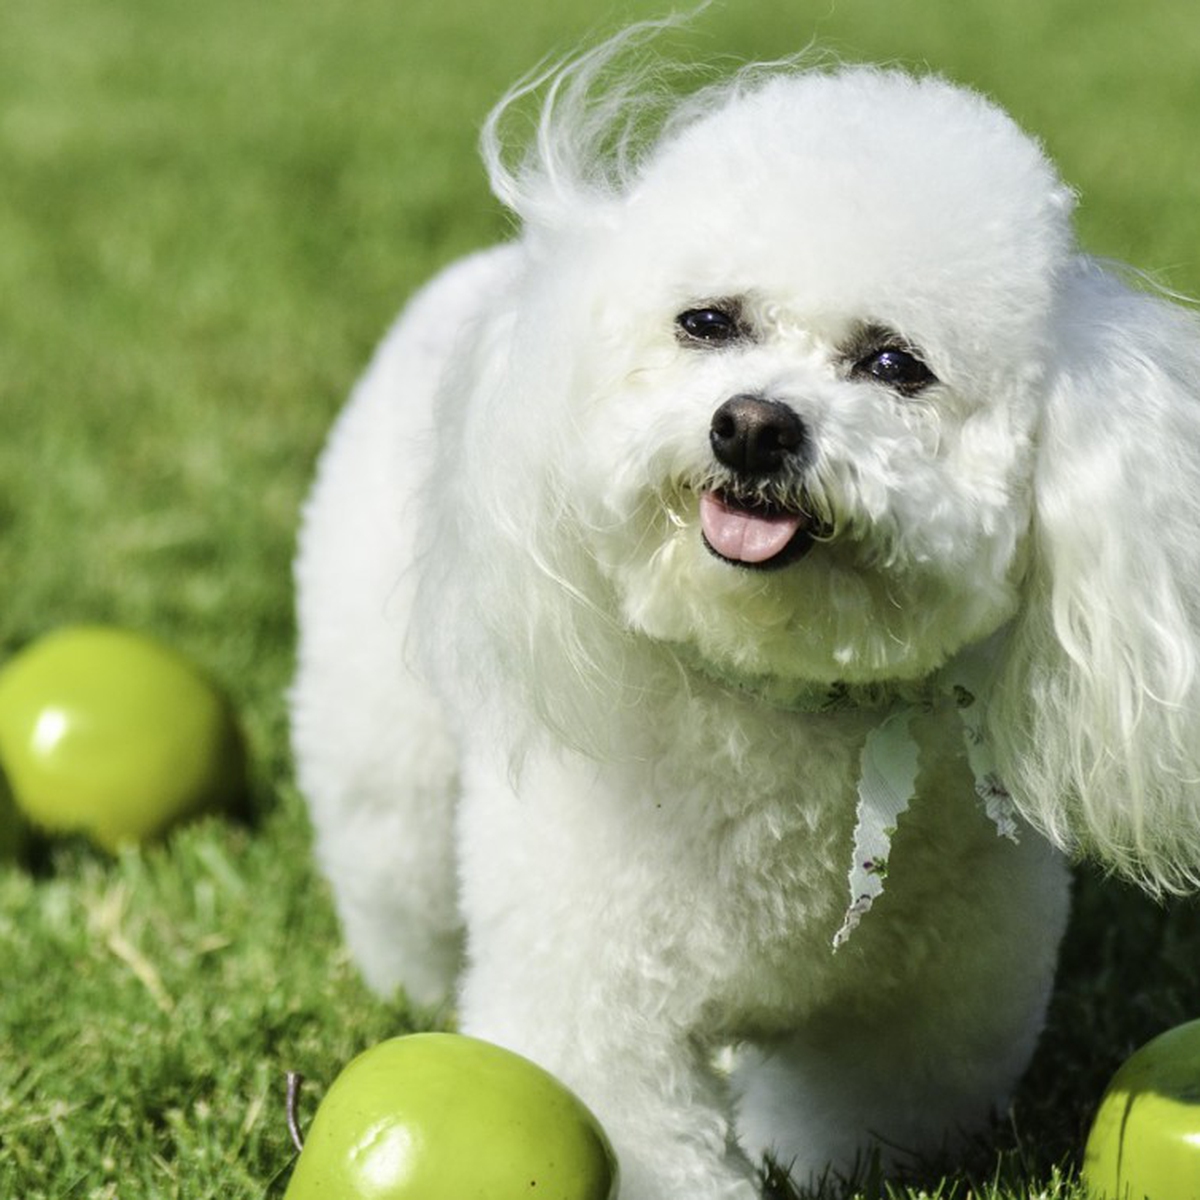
534, 710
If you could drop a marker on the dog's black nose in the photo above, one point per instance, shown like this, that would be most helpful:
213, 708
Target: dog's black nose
754, 436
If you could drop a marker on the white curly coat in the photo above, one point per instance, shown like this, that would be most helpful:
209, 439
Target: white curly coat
564, 758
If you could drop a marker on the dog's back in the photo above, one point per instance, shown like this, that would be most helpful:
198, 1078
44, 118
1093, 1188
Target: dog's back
362, 719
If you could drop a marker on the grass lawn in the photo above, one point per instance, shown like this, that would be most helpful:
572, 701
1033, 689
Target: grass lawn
208, 213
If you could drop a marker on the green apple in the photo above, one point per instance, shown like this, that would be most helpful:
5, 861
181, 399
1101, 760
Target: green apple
1145, 1140
436, 1115
114, 735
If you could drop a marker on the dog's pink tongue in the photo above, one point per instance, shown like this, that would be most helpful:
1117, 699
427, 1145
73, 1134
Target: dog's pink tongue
743, 535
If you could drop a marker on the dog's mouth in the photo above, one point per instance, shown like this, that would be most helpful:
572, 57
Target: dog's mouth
751, 533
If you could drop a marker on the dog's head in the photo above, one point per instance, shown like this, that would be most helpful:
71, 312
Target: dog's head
802, 340
816, 388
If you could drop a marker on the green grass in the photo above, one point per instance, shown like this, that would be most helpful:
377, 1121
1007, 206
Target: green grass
208, 213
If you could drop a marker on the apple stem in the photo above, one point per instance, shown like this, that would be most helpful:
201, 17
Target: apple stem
294, 1082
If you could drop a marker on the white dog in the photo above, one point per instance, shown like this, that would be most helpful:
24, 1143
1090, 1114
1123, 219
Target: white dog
790, 477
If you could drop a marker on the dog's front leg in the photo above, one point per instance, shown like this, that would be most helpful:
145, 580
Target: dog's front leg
651, 1087
579, 958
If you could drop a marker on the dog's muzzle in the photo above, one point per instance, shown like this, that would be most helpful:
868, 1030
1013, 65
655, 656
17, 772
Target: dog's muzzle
763, 446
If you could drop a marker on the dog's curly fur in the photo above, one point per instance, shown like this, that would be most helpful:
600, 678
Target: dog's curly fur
562, 687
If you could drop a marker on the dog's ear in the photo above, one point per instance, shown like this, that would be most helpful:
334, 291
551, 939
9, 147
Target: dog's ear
1097, 715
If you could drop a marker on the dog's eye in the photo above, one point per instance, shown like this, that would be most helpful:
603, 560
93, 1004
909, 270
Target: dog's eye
709, 324
896, 368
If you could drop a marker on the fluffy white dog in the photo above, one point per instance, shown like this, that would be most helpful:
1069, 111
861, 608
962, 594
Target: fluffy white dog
791, 477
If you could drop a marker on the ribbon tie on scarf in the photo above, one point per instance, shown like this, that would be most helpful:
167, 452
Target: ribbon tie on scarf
887, 784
